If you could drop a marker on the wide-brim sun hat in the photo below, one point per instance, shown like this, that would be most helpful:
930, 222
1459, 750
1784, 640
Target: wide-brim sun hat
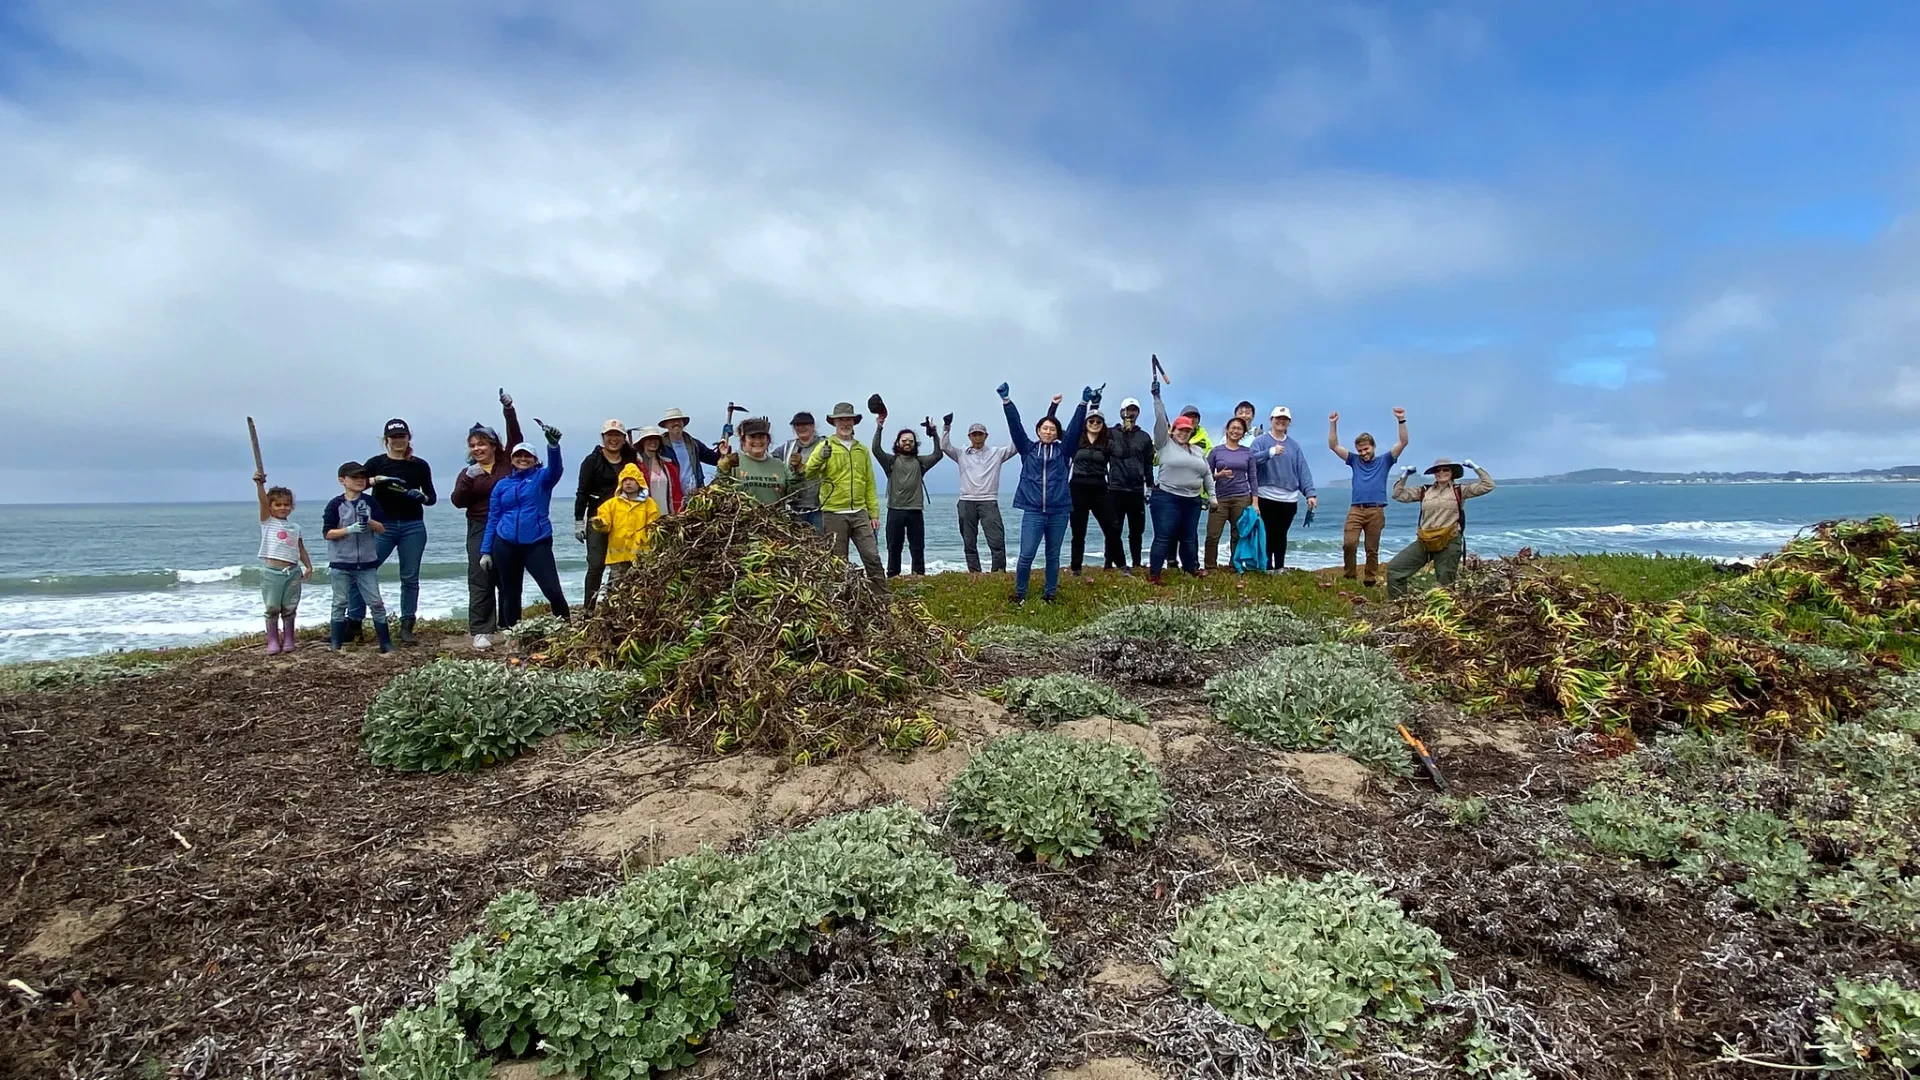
1447, 463
844, 411
675, 414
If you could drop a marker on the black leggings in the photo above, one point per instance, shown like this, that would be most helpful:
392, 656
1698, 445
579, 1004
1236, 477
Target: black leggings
1278, 518
1130, 510
1093, 499
512, 563
909, 528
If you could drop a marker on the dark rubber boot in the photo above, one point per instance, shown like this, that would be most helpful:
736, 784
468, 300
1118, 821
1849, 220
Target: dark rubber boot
336, 634
385, 635
406, 631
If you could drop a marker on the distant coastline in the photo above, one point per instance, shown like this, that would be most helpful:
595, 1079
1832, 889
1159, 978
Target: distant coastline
1899, 474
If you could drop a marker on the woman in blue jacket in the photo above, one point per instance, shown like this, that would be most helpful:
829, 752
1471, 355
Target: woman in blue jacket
519, 537
1045, 494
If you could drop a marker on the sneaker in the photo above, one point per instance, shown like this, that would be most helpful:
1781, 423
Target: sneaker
1049, 598
482, 642
1016, 599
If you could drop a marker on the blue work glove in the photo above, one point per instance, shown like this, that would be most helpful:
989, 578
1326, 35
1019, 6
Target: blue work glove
1309, 520
416, 495
1086, 394
1002, 390
357, 528
726, 430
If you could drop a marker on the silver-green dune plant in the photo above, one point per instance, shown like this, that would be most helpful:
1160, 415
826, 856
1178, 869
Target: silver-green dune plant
1058, 797
1063, 696
1348, 698
466, 714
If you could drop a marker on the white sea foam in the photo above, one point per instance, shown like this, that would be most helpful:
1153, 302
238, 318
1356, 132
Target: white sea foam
208, 577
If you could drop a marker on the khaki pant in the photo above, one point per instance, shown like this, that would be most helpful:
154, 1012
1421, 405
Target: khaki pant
857, 527
1224, 513
1370, 521
1415, 556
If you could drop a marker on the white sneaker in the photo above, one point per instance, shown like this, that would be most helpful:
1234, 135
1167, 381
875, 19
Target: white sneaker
482, 641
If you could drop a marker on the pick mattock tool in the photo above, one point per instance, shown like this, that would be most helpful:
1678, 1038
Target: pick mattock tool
1160, 371
1431, 766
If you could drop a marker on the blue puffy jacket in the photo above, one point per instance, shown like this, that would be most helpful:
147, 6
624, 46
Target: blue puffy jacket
1046, 469
520, 509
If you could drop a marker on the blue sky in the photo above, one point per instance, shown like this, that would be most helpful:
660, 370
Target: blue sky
1652, 235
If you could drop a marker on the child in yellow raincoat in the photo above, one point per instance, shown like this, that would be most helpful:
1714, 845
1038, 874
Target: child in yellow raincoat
628, 520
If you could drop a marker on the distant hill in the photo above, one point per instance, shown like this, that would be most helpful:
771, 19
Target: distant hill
1898, 473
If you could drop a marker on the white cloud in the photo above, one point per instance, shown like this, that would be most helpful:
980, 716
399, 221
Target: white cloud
1728, 318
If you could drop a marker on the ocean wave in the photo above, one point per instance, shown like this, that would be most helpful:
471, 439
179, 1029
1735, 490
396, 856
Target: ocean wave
226, 577
208, 577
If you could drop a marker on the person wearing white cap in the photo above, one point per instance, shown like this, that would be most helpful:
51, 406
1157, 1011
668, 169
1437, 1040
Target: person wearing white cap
1285, 478
1440, 537
1129, 475
979, 504
599, 478
689, 453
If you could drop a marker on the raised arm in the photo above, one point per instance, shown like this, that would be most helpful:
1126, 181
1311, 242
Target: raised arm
880, 453
260, 492
1403, 493
1400, 421
556, 468
928, 461
1478, 487
1160, 430
1015, 430
512, 417
1333, 436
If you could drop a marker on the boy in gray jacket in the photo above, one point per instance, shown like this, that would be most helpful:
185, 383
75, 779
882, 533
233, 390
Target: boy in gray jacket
353, 522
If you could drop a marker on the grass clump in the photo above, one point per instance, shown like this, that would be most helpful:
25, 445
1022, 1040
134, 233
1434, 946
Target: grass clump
745, 632
1206, 628
1062, 696
957, 599
1871, 1029
465, 714
626, 983
1641, 578
1313, 957
1831, 829
54, 675
1519, 634
1011, 638
1348, 698
1058, 797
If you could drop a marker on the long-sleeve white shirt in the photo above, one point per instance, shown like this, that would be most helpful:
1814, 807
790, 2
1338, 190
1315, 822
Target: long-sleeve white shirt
979, 470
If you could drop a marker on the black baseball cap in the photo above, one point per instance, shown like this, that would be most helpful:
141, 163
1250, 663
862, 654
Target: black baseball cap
800, 418
353, 468
397, 426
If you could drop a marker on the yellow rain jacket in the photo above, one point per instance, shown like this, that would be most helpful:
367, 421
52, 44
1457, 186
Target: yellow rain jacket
846, 478
628, 523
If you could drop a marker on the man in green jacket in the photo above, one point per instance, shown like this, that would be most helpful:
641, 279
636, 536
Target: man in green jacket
849, 498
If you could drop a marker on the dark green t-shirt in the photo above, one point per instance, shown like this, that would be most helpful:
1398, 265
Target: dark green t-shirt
767, 481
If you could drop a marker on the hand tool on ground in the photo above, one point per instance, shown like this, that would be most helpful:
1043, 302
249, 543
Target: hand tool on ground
1427, 763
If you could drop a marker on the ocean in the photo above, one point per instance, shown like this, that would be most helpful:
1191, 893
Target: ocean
78, 579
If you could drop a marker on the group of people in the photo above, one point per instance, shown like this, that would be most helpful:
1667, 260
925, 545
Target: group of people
1116, 474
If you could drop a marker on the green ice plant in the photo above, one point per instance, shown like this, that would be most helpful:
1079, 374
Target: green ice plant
1063, 696
1343, 697
627, 983
466, 714
1314, 957
1058, 797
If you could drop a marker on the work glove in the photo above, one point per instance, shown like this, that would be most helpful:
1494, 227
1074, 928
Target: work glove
1086, 395
486, 563
474, 470
506, 399
726, 430
931, 432
552, 433
947, 421
1002, 390
1156, 388
580, 530
1468, 462
1408, 471
1309, 520
416, 495
1277, 450
1098, 393
357, 528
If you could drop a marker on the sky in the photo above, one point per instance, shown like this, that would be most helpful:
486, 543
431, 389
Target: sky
1653, 234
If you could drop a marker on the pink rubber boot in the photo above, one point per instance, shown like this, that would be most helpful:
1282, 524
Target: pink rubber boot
287, 634
273, 635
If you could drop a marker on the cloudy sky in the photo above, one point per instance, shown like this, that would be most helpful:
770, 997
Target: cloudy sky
1662, 234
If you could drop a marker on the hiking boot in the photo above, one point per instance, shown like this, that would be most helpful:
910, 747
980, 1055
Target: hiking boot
406, 631
482, 642
384, 635
273, 635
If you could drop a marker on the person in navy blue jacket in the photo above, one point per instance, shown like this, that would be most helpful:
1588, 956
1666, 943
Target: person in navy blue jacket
519, 536
1045, 494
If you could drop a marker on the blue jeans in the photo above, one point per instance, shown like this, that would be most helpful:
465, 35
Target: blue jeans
1034, 526
411, 538
1176, 530
361, 588
811, 517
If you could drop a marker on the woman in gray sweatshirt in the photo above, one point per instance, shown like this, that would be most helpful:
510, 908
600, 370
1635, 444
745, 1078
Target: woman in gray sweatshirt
1181, 492
906, 471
